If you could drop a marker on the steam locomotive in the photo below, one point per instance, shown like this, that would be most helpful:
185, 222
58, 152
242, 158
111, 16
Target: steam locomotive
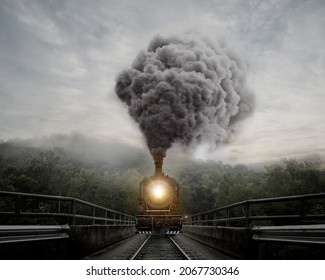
159, 203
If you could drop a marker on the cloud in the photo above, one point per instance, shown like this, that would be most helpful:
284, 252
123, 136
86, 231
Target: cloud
59, 61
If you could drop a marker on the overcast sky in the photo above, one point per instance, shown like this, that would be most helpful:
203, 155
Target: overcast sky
59, 60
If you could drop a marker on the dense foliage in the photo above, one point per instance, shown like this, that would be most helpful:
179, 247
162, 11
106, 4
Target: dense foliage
204, 184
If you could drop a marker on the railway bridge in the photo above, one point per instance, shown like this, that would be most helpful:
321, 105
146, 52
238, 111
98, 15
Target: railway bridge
34, 226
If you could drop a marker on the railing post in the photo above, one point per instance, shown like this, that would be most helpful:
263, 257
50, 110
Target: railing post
214, 216
73, 211
227, 217
105, 217
94, 215
18, 204
302, 207
248, 214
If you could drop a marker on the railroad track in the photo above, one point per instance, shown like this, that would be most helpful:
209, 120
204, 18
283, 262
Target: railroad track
159, 247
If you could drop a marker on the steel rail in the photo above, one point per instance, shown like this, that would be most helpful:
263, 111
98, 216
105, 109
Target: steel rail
179, 248
140, 248
136, 254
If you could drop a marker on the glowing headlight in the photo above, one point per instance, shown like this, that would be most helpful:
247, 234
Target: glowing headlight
158, 194
158, 191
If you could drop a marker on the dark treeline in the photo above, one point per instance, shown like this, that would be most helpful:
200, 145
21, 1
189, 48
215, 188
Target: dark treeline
204, 184
209, 185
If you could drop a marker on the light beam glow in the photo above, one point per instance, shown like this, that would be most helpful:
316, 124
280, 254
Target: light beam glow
159, 191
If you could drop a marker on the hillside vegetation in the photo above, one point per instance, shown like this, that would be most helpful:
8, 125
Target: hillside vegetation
114, 184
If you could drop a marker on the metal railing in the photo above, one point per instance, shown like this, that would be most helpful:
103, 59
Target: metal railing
70, 210
298, 234
11, 234
305, 238
277, 210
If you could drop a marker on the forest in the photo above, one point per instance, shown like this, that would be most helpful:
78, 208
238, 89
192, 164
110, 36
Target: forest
114, 184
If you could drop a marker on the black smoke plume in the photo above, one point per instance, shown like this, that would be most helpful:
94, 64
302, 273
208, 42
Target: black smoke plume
186, 89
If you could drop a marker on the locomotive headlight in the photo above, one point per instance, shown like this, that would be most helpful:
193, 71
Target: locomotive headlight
159, 191
158, 194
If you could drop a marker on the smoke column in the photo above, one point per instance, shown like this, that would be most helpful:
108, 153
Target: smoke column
186, 89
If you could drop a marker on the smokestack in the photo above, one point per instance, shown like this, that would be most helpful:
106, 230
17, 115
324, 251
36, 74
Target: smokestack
158, 164
158, 157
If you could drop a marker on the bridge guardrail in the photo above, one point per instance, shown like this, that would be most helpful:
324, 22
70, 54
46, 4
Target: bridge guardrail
297, 208
304, 234
71, 209
19, 233
305, 237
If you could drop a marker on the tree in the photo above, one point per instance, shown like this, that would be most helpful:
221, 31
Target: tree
290, 177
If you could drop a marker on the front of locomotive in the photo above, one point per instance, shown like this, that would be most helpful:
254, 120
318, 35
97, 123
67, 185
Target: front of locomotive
159, 203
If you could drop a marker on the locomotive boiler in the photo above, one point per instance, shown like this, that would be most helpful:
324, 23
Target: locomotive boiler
159, 203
